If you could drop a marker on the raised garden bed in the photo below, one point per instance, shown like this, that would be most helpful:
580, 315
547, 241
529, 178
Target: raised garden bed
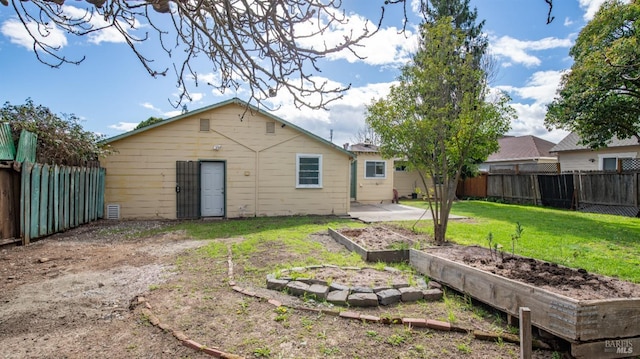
375, 244
596, 328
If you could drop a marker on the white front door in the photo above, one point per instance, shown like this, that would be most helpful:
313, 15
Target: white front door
212, 189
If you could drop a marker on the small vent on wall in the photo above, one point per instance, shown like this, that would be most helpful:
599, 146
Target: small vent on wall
271, 127
204, 125
113, 211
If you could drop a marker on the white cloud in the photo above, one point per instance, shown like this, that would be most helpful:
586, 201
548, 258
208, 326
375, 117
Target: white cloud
541, 86
124, 126
517, 51
172, 113
530, 121
107, 34
14, 29
150, 106
388, 46
568, 22
345, 116
591, 7
196, 96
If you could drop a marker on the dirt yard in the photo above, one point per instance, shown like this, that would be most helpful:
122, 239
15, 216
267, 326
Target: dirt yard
76, 295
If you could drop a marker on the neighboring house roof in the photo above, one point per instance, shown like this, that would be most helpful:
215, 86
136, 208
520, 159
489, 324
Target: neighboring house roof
571, 143
362, 147
235, 101
514, 148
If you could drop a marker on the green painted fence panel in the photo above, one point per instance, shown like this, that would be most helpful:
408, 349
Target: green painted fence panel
7, 147
44, 201
76, 203
65, 197
101, 184
56, 198
82, 183
27, 147
25, 202
35, 200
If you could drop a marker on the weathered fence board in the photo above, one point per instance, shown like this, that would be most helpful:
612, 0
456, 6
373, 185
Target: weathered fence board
56, 198
618, 192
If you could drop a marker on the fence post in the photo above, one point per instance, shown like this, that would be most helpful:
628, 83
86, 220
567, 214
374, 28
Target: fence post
525, 333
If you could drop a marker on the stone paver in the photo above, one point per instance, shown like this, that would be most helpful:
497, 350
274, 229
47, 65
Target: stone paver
338, 297
389, 296
319, 291
432, 295
363, 300
297, 288
411, 294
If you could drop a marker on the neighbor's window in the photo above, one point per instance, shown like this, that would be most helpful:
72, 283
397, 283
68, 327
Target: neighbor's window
308, 171
204, 124
609, 164
375, 169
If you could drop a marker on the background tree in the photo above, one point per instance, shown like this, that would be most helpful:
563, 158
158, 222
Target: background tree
463, 18
259, 43
366, 134
148, 122
438, 117
599, 98
60, 140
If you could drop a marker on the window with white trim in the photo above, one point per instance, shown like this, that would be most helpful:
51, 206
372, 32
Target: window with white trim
308, 171
609, 163
375, 169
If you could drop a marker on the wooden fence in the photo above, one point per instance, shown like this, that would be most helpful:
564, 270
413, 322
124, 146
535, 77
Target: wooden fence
607, 192
57, 198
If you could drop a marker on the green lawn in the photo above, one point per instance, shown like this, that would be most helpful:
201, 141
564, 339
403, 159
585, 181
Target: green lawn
599, 243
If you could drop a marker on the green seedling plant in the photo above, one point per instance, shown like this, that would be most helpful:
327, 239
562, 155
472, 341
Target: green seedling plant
262, 352
515, 236
492, 252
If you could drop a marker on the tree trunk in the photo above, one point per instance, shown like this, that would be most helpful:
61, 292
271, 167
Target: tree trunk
439, 230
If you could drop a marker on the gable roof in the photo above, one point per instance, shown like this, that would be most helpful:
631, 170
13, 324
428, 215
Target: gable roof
521, 148
570, 143
235, 101
363, 147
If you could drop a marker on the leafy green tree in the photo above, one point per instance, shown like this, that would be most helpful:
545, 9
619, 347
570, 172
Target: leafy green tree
439, 117
600, 97
148, 122
61, 141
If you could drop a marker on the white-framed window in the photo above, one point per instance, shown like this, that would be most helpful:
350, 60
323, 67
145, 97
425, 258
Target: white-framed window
609, 161
308, 171
375, 169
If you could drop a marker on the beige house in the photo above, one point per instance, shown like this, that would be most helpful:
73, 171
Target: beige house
226, 160
374, 178
372, 175
576, 157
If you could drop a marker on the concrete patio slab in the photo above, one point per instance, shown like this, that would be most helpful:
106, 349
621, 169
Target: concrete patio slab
389, 212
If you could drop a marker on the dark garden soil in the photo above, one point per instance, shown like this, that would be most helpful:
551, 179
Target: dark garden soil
377, 238
573, 283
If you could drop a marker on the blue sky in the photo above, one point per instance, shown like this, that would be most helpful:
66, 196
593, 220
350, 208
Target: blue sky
111, 91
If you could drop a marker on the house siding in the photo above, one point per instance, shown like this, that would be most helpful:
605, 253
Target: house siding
260, 166
407, 181
374, 190
580, 160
